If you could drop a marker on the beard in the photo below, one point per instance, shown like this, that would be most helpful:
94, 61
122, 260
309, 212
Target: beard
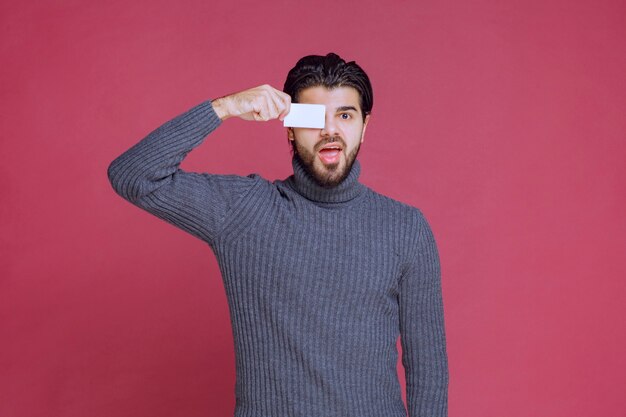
328, 175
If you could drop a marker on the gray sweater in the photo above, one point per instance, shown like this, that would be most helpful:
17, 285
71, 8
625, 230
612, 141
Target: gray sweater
320, 282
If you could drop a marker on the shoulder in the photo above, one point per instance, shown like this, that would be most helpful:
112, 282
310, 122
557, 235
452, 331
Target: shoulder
263, 188
411, 216
412, 229
229, 188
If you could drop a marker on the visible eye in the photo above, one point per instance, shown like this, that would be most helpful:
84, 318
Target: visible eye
345, 116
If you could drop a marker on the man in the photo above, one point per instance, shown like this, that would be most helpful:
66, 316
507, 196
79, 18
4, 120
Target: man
321, 273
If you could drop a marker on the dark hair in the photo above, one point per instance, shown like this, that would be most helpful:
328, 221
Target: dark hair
329, 71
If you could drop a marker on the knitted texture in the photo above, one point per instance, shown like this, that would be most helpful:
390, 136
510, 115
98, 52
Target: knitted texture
320, 282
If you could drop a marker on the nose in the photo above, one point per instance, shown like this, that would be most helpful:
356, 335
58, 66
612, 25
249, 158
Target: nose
330, 129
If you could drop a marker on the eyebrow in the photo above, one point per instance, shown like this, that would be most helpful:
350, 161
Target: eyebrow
346, 108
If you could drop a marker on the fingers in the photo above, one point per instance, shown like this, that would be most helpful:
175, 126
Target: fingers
282, 102
273, 104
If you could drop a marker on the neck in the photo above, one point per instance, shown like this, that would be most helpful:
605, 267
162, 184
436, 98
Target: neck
306, 185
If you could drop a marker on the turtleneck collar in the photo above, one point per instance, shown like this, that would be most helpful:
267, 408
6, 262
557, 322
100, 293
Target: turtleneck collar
305, 185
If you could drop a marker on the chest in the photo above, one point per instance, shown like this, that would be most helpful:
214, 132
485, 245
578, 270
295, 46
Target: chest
325, 252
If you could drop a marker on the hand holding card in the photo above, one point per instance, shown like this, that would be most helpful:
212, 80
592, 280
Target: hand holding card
306, 115
260, 103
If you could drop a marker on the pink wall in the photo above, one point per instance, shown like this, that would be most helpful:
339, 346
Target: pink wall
504, 121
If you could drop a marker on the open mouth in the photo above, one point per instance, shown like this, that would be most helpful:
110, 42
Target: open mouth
330, 154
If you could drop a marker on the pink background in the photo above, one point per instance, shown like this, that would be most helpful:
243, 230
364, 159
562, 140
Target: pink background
504, 121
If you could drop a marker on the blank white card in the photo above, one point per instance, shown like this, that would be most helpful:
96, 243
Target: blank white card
306, 115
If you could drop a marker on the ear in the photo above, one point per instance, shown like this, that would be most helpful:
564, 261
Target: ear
365, 122
290, 135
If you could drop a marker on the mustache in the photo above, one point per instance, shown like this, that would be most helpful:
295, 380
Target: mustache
334, 139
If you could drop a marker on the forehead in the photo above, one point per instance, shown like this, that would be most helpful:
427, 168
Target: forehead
331, 98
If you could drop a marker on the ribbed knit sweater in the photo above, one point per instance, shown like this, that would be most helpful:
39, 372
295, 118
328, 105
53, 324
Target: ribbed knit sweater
320, 282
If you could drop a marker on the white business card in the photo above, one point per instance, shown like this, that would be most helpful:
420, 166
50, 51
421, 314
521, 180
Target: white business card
306, 115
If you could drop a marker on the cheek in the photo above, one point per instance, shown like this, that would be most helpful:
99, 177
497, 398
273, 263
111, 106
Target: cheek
354, 135
306, 137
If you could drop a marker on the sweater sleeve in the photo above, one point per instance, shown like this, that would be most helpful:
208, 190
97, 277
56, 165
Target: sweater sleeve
148, 175
422, 330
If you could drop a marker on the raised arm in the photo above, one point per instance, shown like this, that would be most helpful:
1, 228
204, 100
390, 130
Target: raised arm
148, 174
422, 331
